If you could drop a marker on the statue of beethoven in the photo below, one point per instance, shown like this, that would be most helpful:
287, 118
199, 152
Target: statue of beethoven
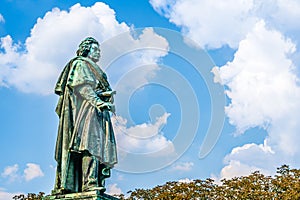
85, 147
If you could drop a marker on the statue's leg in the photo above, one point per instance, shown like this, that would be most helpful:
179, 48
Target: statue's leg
71, 181
90, 172
93, 173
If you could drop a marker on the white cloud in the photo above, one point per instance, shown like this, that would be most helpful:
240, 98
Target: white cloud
52, 43
6, 195
249, 158
47, 50
32, 171
11, 172
214, 23
244, 160
210, 22
236, 169
262, 83
264, 92
161, 6
143, 138
186, 180
260, 79
282, 14
54, 40
186, 166
142, 147
136, 58
113, 189
2, 20
35, 65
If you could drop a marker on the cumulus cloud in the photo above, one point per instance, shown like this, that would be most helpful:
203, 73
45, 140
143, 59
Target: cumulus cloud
264, 92
35, 65
11, 172
142, 147
32, 171
210, 23
214, 23
261, 80
281, 14
137, 58
235, 169
249, 158
113, 189
185, 166
53, 40
143, 138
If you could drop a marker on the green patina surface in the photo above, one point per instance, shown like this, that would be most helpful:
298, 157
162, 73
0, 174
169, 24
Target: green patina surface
92, 195
85, 146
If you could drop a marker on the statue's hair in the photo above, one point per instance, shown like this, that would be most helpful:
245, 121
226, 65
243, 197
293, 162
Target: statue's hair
85, 46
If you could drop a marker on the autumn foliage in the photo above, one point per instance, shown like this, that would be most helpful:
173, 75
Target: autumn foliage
284, 185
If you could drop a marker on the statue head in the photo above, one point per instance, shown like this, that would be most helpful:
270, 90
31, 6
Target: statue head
86, 46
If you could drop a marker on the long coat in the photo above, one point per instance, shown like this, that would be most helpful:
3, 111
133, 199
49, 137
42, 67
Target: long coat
82, 126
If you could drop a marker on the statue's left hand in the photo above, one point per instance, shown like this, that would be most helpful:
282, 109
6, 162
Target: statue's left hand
108, 93
108, 106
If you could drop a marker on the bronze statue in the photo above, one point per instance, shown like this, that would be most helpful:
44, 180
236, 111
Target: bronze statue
85, 147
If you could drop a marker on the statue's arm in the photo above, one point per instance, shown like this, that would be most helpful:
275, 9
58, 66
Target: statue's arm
82, 84
87, 92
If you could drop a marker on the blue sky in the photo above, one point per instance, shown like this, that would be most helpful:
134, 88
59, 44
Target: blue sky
204, 88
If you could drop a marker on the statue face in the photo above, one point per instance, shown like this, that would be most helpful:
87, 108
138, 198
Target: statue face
94, 53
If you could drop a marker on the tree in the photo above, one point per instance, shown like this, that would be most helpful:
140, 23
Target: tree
30, 196
284, 185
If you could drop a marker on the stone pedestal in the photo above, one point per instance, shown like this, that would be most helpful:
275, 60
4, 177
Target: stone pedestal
92, 195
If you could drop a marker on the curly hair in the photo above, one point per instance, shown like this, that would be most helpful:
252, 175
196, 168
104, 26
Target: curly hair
85, 45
